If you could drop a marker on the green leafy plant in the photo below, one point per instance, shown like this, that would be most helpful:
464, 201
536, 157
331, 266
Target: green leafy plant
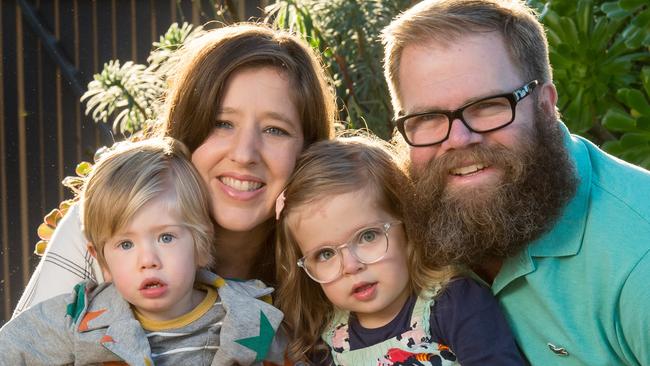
131, 94
131, 90
597, 49
632, 123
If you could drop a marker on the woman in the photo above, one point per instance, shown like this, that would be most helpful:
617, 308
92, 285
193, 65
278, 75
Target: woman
246, 100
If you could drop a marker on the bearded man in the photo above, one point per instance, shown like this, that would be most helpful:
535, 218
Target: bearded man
558, 229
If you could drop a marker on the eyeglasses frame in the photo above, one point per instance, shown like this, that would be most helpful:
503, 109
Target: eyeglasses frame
338, 248
515, 97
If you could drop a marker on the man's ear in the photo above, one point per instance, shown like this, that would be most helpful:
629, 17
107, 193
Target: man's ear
105, 271
547, 97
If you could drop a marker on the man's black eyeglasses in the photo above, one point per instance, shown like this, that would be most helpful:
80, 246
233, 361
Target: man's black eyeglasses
484, 115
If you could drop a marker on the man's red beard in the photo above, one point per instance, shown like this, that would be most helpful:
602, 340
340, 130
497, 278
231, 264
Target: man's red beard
467, 225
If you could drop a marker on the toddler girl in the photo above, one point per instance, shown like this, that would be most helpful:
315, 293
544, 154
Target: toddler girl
352, 279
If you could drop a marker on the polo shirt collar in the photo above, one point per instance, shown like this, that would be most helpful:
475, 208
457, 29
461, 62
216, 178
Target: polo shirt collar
565, 238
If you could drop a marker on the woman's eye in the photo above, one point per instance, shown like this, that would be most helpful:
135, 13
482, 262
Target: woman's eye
325, 254
222, 124
166, 238
276, 131
125, 245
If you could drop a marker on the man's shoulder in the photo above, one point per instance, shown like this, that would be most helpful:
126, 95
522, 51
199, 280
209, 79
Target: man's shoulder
618, 184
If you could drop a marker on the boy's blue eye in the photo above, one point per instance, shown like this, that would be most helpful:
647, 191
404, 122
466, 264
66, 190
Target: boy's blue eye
166, 238
125, 245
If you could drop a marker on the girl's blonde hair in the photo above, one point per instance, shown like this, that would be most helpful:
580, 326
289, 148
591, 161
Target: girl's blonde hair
331, 168
133, 174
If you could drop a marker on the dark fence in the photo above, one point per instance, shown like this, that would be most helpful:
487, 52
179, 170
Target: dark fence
50, 50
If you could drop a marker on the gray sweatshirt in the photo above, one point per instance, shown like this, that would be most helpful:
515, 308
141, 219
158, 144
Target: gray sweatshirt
94, 324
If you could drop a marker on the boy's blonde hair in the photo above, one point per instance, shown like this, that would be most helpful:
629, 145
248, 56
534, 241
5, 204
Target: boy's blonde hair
133, 174
331, 168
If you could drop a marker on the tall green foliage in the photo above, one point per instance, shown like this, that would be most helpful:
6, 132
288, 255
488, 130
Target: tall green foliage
598, 50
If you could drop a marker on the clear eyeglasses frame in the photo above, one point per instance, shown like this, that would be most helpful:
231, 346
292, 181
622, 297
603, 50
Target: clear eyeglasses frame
481, 116
368, 245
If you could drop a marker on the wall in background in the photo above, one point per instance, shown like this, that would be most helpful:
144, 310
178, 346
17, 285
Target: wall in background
49, 51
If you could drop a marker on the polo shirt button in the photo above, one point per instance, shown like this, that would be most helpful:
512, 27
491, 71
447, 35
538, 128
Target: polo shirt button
560, 351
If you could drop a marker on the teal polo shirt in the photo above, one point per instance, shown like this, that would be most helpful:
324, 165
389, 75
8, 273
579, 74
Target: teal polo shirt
580, 295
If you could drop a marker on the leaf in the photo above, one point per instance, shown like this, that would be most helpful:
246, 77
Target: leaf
645, 79
574, 112
643, 123
45, 231
584, 16
629, 140
65, 205
570, 30
642, 20
634, 38
53, 218
72, 182
634, 99
618, 121
614, 11
633, 150
631, 5
83, 168
40, 247
613, 147
636, 153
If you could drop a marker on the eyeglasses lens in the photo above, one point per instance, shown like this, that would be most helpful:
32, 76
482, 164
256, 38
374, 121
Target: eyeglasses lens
484, 115
367, 246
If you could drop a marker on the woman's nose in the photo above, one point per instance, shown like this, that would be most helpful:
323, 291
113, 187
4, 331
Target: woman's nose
246, 146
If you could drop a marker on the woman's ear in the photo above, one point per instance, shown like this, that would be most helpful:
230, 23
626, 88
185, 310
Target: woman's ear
105, 271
